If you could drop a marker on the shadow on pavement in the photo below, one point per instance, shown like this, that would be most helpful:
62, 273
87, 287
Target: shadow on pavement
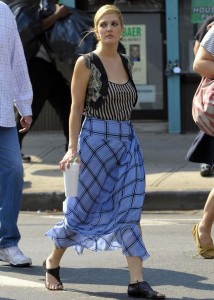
117, 277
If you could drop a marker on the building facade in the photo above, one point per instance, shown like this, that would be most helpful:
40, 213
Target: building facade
159, 36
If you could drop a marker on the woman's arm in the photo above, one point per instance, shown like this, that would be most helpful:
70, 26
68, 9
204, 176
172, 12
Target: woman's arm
204, 63
196, 46
79, 86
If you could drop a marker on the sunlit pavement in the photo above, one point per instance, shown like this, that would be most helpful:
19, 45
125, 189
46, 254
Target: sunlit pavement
172, 267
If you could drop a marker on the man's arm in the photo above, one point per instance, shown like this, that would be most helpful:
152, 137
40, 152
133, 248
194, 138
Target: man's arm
60, 13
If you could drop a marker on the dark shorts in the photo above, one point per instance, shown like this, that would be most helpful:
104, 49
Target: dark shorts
202, 149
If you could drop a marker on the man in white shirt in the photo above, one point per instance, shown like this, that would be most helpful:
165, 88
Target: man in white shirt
15, 90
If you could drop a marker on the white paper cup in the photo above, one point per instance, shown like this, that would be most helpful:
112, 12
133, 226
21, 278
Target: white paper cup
71, 176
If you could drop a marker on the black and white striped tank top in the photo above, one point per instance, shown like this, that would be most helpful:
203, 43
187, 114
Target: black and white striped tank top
118, 105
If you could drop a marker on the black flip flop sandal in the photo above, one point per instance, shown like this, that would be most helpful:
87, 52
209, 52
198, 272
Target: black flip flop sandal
55, 273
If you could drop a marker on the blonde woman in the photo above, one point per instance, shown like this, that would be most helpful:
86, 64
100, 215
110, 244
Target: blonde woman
105, 214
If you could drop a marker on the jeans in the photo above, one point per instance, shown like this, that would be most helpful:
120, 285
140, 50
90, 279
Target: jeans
11, 186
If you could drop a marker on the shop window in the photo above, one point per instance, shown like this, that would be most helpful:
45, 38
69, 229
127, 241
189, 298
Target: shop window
143, 40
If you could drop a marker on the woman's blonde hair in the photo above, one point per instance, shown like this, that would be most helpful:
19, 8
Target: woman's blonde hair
102, 11
106, 10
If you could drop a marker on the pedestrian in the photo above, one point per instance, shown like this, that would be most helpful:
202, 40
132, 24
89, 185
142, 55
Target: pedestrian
202, 231
47, 82
201, 33
202, 150
105, 214
16, 91
205, 169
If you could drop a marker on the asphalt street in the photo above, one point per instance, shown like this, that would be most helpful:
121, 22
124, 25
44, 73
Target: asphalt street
172, 267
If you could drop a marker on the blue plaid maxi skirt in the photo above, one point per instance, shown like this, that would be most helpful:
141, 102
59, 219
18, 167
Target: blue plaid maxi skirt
106, 212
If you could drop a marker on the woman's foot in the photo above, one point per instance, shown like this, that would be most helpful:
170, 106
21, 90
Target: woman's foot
52, 278
143, 290
206, 249
204, 238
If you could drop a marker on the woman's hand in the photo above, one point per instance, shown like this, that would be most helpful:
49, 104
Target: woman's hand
70, 157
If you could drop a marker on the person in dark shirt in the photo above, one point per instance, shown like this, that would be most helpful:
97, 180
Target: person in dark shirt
47, 82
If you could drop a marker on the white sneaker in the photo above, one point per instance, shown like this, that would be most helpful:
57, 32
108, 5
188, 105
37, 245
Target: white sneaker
15, 257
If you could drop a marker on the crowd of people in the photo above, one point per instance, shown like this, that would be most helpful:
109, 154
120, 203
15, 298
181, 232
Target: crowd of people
105, 214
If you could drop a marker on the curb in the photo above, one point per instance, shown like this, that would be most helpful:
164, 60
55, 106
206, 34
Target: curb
154, 201
178, 200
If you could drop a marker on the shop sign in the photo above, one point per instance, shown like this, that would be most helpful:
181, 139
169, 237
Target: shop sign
134, 41
201, 10
146, 94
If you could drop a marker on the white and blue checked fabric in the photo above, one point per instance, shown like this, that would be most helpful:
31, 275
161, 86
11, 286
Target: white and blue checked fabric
105, 214
15, 85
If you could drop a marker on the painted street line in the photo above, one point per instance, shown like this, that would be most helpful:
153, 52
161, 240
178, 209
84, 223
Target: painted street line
11, 281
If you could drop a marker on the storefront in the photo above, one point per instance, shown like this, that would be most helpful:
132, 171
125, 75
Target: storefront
159, 34
192, 14
145, 33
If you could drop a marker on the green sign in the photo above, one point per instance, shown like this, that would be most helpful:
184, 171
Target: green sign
201, 10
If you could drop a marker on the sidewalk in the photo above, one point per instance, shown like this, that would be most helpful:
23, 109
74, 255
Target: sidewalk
171, 182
